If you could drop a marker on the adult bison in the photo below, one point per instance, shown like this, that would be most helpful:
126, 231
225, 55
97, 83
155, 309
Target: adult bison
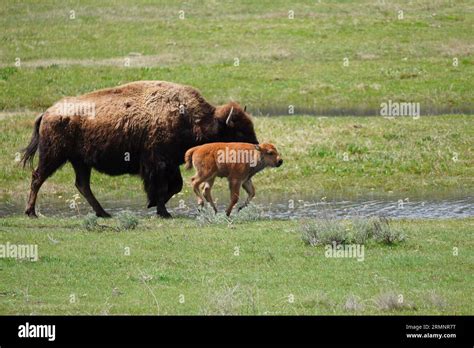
143, 128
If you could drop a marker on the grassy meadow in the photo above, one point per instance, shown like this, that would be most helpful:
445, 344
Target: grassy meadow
251, 267
288, 54
325, 58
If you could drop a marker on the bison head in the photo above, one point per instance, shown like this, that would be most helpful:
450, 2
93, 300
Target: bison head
234, 124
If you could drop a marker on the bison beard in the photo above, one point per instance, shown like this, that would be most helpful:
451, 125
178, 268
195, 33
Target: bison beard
141, 128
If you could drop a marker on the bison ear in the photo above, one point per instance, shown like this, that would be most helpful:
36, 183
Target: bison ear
228, 121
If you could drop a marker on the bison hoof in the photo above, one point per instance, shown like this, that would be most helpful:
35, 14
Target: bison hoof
31, 214
103, 215
164, 214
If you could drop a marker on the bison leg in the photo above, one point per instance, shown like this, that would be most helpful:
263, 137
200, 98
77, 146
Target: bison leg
46, 167
175, 183
156, 187
250, 189
161, 195
196, 182
83, 179
37, 179
207, 193
168, 186
234, 186
150, 185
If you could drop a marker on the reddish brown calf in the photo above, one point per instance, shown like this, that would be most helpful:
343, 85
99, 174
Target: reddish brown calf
239, 162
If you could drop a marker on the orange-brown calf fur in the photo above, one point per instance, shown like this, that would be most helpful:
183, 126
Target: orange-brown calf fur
143, 128
239, 162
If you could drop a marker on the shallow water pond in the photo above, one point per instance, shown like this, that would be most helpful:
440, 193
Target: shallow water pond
282, 208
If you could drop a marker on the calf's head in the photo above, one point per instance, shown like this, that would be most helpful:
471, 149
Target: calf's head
235, 124
269, 155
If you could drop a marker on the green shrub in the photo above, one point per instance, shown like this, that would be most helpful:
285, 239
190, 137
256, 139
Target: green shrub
249, 213
90, 222
324, 231
385, 233
356, 230
207, 216
127, 220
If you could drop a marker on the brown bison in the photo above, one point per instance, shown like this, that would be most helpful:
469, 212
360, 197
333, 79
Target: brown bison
142, 128
239, 162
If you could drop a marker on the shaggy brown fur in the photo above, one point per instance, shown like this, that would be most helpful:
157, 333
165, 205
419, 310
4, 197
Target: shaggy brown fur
143, 128
239, 162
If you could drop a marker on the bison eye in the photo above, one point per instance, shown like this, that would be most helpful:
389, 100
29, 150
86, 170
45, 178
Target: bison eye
270, 153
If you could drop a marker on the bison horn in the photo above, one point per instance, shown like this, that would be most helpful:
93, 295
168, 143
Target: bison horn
245, 108
229, 118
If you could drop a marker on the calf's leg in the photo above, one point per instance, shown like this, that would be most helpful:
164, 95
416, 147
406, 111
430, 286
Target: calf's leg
207, 193
250, 189
234, 186
196, 182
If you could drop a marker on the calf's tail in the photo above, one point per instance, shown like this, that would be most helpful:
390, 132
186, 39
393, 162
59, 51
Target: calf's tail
188, 158
30, 151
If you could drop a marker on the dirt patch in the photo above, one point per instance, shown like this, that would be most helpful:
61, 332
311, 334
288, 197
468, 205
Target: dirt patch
457, 48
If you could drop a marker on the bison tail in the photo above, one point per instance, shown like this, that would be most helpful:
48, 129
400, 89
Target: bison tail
30, 151
188, 158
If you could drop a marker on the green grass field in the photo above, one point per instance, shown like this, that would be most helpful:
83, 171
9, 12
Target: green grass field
282, 61
332, 58
260, 267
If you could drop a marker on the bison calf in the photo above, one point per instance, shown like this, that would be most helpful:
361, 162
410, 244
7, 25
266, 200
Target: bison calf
239, 162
